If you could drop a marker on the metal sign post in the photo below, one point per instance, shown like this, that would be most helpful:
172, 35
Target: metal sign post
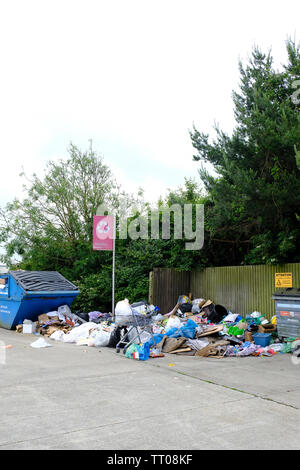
113, 271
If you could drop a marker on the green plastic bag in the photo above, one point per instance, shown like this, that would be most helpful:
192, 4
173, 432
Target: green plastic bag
288, 346
129, 351
235, 331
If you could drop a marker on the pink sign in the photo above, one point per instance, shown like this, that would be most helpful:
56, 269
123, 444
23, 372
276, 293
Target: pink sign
103, 232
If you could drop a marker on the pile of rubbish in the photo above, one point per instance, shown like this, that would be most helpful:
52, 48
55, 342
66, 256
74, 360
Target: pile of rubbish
93, 329
200, 328
193, 328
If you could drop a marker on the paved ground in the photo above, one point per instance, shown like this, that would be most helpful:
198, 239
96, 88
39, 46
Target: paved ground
75, 397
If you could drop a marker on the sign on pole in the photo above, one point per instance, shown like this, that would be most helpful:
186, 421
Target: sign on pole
103, 232
104, 229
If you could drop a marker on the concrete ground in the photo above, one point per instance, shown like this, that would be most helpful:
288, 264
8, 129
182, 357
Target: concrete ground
75, 397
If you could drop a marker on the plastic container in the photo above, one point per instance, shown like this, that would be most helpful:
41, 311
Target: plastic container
262, 339
28, 294
29, 328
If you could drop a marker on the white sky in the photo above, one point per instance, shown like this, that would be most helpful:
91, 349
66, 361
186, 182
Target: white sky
132, 75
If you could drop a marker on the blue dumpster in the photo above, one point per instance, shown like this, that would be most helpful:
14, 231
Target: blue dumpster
27, 294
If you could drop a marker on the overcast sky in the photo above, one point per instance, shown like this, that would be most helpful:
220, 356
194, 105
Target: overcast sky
131, 75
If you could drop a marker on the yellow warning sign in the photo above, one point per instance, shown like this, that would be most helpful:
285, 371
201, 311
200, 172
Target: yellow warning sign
283, 280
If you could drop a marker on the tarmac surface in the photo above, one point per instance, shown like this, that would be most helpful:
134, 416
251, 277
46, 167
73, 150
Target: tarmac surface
76, 397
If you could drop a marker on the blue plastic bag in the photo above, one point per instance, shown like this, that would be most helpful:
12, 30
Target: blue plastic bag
144, 351
157, 338
174, 332
188, 330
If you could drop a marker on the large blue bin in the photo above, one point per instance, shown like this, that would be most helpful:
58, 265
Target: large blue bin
27, 294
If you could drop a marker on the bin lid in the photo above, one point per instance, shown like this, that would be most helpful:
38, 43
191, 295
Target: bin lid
42, 281
287, 292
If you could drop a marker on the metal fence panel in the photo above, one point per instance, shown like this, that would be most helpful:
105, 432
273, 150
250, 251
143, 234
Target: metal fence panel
242, 289
167, 285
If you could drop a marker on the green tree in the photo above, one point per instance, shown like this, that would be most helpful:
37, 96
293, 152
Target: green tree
252, 204
52, 226
51, 229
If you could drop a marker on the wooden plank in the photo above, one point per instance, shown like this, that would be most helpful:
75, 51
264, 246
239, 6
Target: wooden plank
180, 350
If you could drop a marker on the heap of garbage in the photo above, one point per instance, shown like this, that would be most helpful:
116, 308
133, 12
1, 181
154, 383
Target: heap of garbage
200, 328
92, 329
192, 328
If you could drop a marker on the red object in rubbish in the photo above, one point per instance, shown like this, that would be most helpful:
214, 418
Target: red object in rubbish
69, 321
156, 355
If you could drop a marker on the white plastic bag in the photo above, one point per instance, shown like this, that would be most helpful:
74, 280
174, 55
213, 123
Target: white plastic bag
58, 335
40, 343
277, 347
52, 314
123, 312
231, 317
195, 306
82, 331
197, 301
255, 314
173, 322
123, 308
100, 338
158, 317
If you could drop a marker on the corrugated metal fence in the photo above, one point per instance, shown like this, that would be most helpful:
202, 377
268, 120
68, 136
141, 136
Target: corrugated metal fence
166, 285
242, 289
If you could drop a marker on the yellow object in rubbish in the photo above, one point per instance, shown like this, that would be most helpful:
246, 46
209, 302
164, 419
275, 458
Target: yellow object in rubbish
171, 365
274, 320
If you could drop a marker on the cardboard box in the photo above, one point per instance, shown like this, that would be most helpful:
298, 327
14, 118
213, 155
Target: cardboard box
44, 318
267, 328
248, 336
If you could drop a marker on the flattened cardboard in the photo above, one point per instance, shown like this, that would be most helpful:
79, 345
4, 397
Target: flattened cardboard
212, 331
